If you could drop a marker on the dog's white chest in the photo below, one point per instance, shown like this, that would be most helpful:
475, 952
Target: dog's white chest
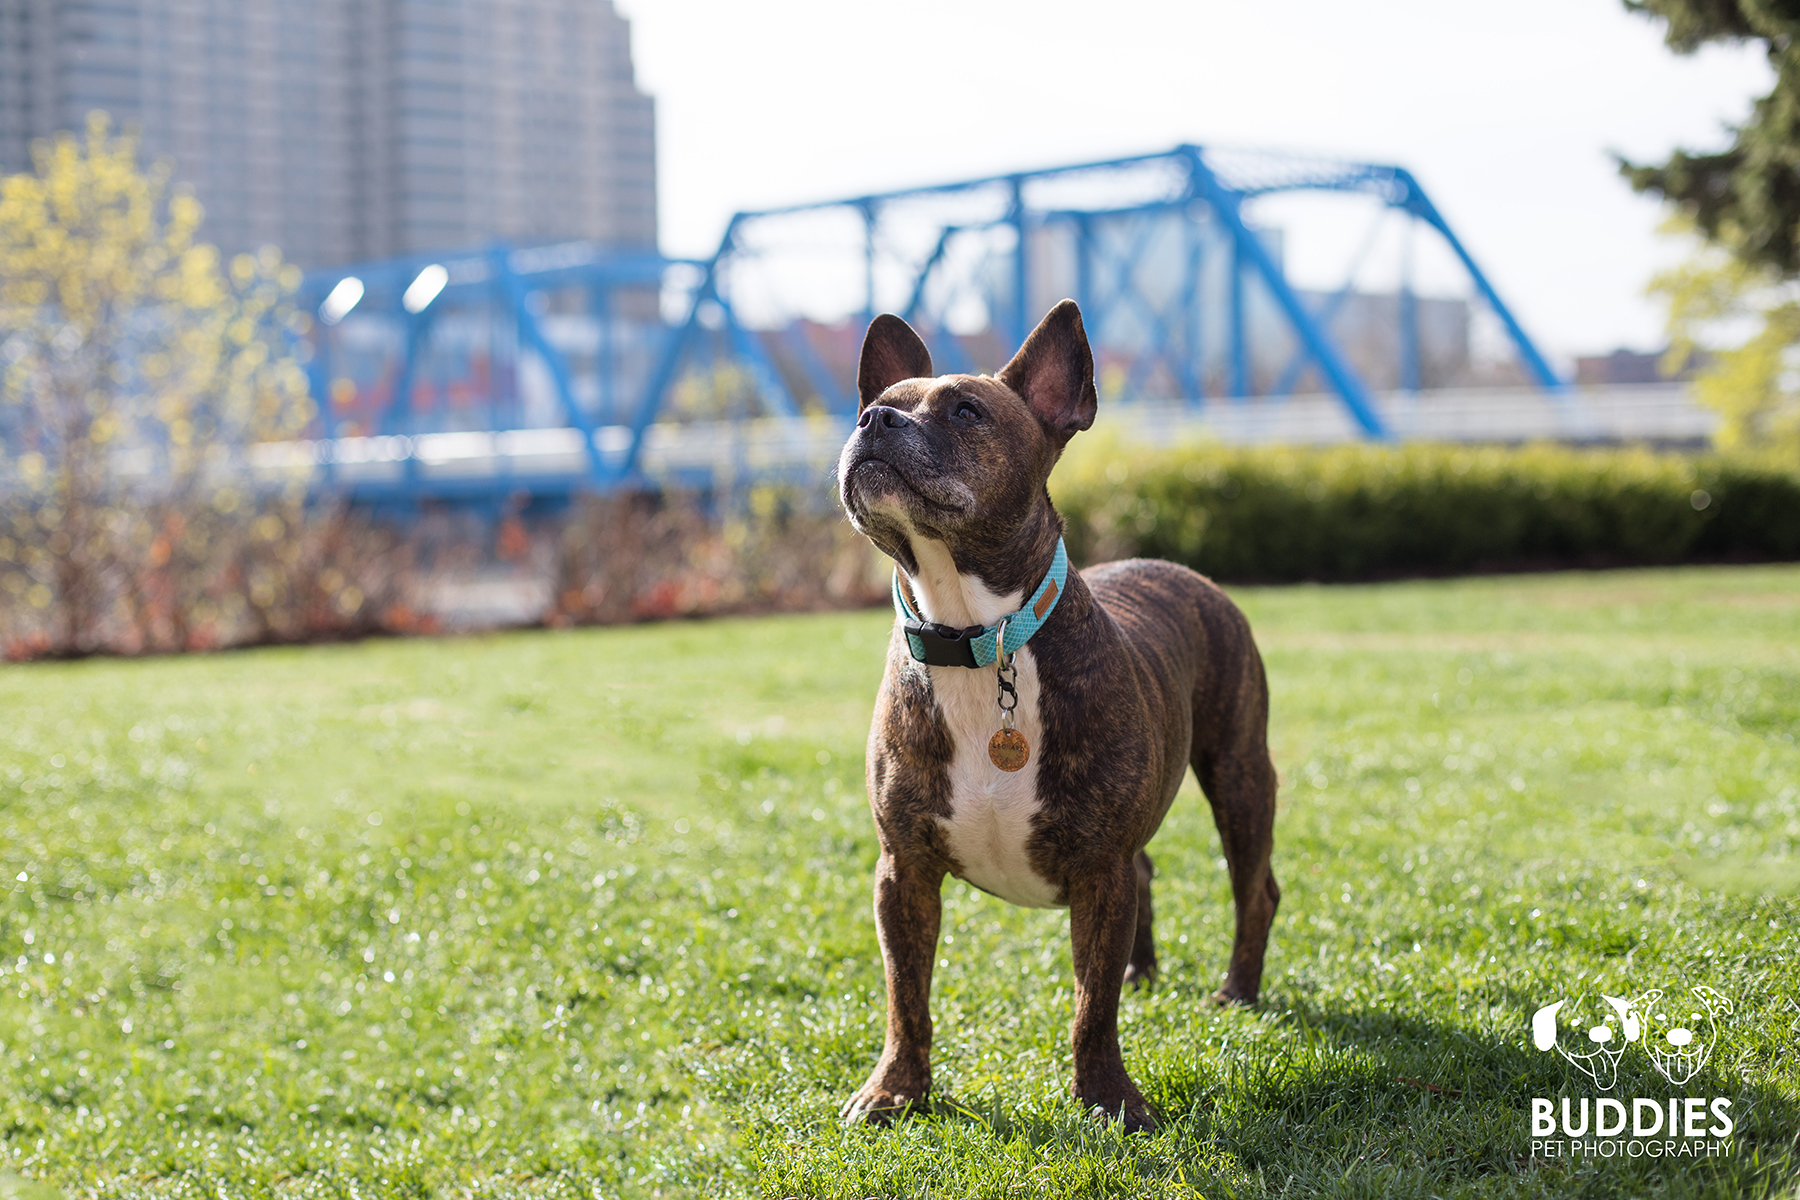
990, 824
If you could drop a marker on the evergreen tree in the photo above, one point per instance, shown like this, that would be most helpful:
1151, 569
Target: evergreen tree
1746, 197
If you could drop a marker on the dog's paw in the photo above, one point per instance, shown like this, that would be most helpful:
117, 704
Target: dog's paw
1132, 1112
1241, 985
1113, 1097
1140, 1119
1137, 975
877, 1104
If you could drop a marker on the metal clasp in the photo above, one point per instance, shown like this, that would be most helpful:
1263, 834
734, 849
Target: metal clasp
1008, 673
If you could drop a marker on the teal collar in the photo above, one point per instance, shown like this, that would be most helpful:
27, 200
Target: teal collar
974, 646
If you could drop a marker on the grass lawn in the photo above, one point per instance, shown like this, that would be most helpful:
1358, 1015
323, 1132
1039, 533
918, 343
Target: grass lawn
586, 914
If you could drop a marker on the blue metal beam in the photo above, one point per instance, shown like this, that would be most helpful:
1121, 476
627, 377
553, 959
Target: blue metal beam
1228, 205
817, 374
1161, 346
532, 335
950, 352
924, 276
1100, 307
1240, 339
318, 380
1188, 363
966, 185
1015, 216
868, 216
600, 297
1084, 266
418, 329
1290, 374
1420, 205
1410, 367
763, 372
670, 360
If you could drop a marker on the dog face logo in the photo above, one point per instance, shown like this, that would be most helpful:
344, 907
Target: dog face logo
1680, 1042
1677, 1033
1598, 1039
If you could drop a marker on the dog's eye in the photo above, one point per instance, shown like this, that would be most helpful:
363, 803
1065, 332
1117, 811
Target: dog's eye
967, 412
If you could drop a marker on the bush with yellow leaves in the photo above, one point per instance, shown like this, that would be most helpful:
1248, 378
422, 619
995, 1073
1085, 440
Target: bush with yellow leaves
135, 371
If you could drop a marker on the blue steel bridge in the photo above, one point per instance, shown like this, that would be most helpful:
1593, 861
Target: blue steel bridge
549, 370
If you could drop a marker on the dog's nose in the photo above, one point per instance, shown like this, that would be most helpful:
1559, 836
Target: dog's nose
882, 416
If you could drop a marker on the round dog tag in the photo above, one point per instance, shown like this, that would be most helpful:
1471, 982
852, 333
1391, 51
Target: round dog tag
1009, 750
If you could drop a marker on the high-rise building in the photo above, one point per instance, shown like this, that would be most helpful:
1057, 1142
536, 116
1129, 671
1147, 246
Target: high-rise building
341, 130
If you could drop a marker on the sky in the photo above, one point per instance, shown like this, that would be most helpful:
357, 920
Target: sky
1508, 114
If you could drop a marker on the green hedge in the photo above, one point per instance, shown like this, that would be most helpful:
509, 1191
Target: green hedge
1361, 512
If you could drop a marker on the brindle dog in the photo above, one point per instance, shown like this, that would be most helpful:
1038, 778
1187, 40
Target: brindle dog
1142, 668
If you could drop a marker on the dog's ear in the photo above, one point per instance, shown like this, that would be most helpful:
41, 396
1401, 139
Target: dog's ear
891, 351
1054, 372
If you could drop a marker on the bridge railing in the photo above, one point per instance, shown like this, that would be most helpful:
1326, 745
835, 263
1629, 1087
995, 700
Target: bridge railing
715, 455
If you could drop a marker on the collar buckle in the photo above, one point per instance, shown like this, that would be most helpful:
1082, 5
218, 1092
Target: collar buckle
942, 645
947, 646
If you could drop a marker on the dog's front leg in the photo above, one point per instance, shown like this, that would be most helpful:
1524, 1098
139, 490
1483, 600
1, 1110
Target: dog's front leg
1102, 926
907, 912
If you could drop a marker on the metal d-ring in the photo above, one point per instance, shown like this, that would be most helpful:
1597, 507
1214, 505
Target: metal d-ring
1008, 673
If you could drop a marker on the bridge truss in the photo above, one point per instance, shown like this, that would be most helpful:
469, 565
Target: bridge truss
573, 367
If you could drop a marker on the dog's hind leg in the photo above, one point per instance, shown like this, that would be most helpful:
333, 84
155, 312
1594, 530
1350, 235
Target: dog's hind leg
1142, 968
1236, 774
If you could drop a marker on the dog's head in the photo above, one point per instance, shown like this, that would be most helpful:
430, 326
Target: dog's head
963, 459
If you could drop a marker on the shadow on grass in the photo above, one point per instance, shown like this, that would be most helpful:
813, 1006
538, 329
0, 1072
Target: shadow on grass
1298, 1099
1325, 1097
